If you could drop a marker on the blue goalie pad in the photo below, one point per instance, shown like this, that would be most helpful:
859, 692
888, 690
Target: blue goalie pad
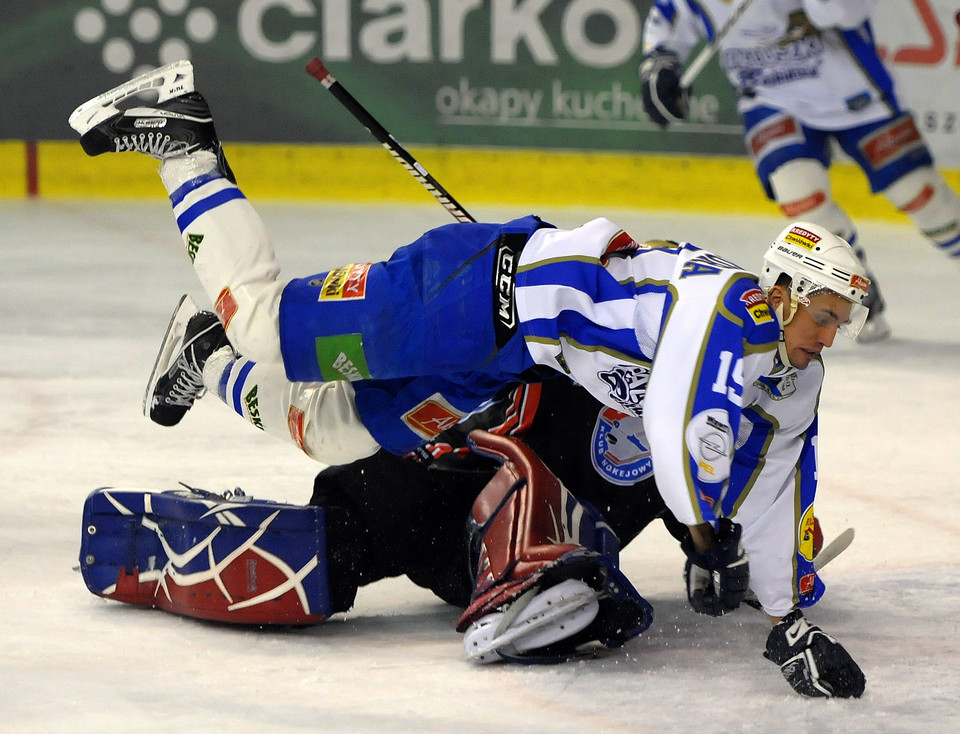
230, 559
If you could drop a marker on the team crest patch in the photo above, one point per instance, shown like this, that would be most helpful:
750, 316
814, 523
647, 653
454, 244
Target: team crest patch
620, 452
432, 417
778, 388
628, 385
348, 283
757, 306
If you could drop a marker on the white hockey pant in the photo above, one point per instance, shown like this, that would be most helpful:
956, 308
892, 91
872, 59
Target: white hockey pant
235, 261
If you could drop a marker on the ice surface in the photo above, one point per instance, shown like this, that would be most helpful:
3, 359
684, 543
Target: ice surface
87, 288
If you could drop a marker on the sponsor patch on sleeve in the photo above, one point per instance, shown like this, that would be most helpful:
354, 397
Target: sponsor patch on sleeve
757, 307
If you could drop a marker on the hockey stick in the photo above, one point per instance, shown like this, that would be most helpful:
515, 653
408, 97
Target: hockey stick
833, 549
708, 51
317, 70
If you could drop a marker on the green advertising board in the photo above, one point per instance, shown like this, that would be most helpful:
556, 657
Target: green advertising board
511, 73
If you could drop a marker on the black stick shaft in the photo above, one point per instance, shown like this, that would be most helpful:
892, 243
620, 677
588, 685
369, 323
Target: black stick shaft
316, 69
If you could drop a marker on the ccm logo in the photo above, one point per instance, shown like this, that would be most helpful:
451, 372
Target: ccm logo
503, 285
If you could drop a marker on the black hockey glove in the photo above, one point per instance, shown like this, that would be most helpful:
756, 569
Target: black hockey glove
664, 100
718, 579
812, 661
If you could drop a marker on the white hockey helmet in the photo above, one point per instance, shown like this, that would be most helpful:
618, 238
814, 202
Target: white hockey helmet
817, 260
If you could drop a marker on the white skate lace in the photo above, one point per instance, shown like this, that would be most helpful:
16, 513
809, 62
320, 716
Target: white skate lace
153, 144
187, 387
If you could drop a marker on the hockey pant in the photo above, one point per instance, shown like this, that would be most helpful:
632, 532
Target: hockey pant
547, 580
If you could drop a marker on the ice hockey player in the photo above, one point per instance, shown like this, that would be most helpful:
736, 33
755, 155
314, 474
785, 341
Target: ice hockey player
807, 75
725, 372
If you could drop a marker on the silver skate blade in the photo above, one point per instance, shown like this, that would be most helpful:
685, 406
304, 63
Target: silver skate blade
155, 86
172, 339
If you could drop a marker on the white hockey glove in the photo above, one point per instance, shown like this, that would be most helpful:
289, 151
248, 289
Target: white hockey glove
664, 100
718, 579
812, 661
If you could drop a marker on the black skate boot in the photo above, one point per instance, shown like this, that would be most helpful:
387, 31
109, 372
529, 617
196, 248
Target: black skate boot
876, 327
158, 113
177, 378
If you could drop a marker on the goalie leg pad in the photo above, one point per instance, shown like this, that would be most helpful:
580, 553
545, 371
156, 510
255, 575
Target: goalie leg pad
531, 535
235, 559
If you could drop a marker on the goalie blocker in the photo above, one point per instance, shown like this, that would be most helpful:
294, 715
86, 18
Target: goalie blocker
547, 576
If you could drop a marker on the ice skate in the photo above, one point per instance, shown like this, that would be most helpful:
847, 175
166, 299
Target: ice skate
158, 113
177, 378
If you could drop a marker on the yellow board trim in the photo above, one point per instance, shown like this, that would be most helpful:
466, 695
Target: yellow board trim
474, 176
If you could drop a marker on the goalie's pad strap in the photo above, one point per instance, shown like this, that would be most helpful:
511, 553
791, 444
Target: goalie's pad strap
240, 560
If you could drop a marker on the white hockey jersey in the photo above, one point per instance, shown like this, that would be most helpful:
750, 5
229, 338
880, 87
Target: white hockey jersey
815, 59
685, 339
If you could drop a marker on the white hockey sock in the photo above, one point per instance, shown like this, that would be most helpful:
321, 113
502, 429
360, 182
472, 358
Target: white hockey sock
177, 171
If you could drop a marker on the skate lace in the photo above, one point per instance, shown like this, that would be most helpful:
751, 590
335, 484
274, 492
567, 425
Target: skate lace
187, 386
154, 144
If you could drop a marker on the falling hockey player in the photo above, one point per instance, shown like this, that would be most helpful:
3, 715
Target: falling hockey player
725, 372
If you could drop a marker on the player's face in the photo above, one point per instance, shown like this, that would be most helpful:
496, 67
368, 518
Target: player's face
814, 327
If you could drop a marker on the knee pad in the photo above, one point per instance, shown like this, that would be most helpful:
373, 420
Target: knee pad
802, 190
931, 204
233, 559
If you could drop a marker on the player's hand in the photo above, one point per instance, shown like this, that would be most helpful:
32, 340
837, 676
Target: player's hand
812, 661
664, 100
717, 579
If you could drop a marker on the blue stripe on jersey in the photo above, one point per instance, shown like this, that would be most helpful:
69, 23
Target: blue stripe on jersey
861, 45
584, 334
587, 276
207, 204
748, 460
807, 593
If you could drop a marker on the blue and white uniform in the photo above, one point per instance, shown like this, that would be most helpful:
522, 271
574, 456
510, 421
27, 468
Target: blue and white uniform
674, 334
393, 353
808, 74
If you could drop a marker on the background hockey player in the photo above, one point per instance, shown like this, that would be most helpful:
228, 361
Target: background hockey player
807, 74
731, 422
